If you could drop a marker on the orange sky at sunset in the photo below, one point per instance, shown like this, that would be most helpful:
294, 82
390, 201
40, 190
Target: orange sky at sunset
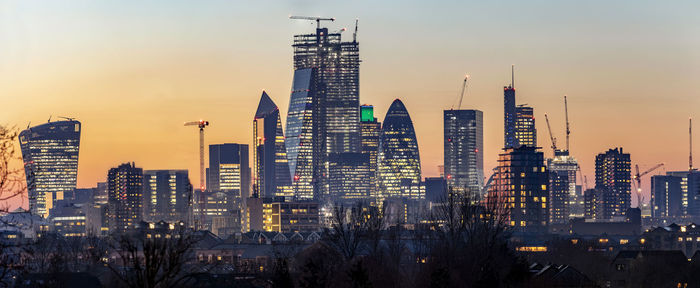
133, 73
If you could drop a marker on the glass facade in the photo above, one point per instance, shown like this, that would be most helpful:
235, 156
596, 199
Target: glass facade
464, 149
525, 132
270, 164
228, 169
371, 130
399, 160
565, 166
50, 155
349, 173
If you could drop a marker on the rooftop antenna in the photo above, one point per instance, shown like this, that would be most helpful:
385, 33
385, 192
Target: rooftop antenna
566, 112
690, 134
354, 34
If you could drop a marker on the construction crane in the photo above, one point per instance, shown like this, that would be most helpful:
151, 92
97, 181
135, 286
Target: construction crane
317, 19
354, 34
690, 138
201, 124
566, 113
637, 177
461, 94
554, 140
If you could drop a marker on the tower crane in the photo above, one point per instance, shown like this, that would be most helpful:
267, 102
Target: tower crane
201, 124
317, 19
461, 94
637, 177
566, 113
554, 140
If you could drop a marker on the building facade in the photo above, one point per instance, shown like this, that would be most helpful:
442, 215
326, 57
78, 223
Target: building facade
509, 117
270, 168
464, 149
666, 197
567, 166
349, 175
520, 189
399, 159
558, 197
125, 196
371, 129
167, 196
229, 170
613, 175
525, 132
50, 155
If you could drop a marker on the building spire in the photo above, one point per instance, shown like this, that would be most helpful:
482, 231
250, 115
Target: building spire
512, 75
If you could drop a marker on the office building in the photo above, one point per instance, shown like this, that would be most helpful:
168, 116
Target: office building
399, 160
435, 189
125, 193
228, 170
167, 195
690, 191
520, 189
666, 197
50, 155
270, 215
464, 149
525, 132
370, 131
270, 169
612, 174
349, 175
509, 117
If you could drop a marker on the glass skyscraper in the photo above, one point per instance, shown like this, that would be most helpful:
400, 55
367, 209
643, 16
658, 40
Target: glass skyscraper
464, 149
271, 172
399, 160
349, 175
371, 129
50, 155
229, 170
509, 117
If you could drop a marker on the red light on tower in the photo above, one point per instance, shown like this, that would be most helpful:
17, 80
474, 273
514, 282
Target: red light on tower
449, 176
296, 177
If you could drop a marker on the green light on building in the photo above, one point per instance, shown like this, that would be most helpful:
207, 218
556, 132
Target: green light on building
367, 113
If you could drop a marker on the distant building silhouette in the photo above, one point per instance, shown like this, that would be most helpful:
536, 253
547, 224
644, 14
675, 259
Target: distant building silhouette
270, 169
50, 155
125, 196
613, 176
464, 149
399, 159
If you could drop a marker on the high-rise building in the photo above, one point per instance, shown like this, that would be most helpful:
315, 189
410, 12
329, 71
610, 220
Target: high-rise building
566, 166
337, 70
509, 117
324, 108
228, 170
666, 195
371, 129
305, 137
520, 189
690, 191
399, 160
167, 195
597, 204
558, 197
349, 173
50, 155
525, 132
435, 189
271, 172
125, 196
464, 149
612, 173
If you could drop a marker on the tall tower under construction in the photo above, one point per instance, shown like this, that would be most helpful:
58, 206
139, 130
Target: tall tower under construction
324, 108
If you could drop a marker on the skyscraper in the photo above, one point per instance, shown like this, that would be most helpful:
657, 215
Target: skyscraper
520, 189
229, 170
125, 196
271, 172
324, 108
558, 197
399, 160
349, 175
525, 132
612, 173
666, 195
565, 166
50, 155
464, 149
305, 137
371, 129
509, 117
167, 195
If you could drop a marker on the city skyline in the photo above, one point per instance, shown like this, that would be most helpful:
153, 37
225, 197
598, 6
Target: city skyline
129, 118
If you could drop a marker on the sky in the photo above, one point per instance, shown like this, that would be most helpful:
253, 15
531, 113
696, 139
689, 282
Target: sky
133, 71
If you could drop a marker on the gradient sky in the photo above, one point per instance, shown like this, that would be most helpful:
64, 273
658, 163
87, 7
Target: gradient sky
133, 71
